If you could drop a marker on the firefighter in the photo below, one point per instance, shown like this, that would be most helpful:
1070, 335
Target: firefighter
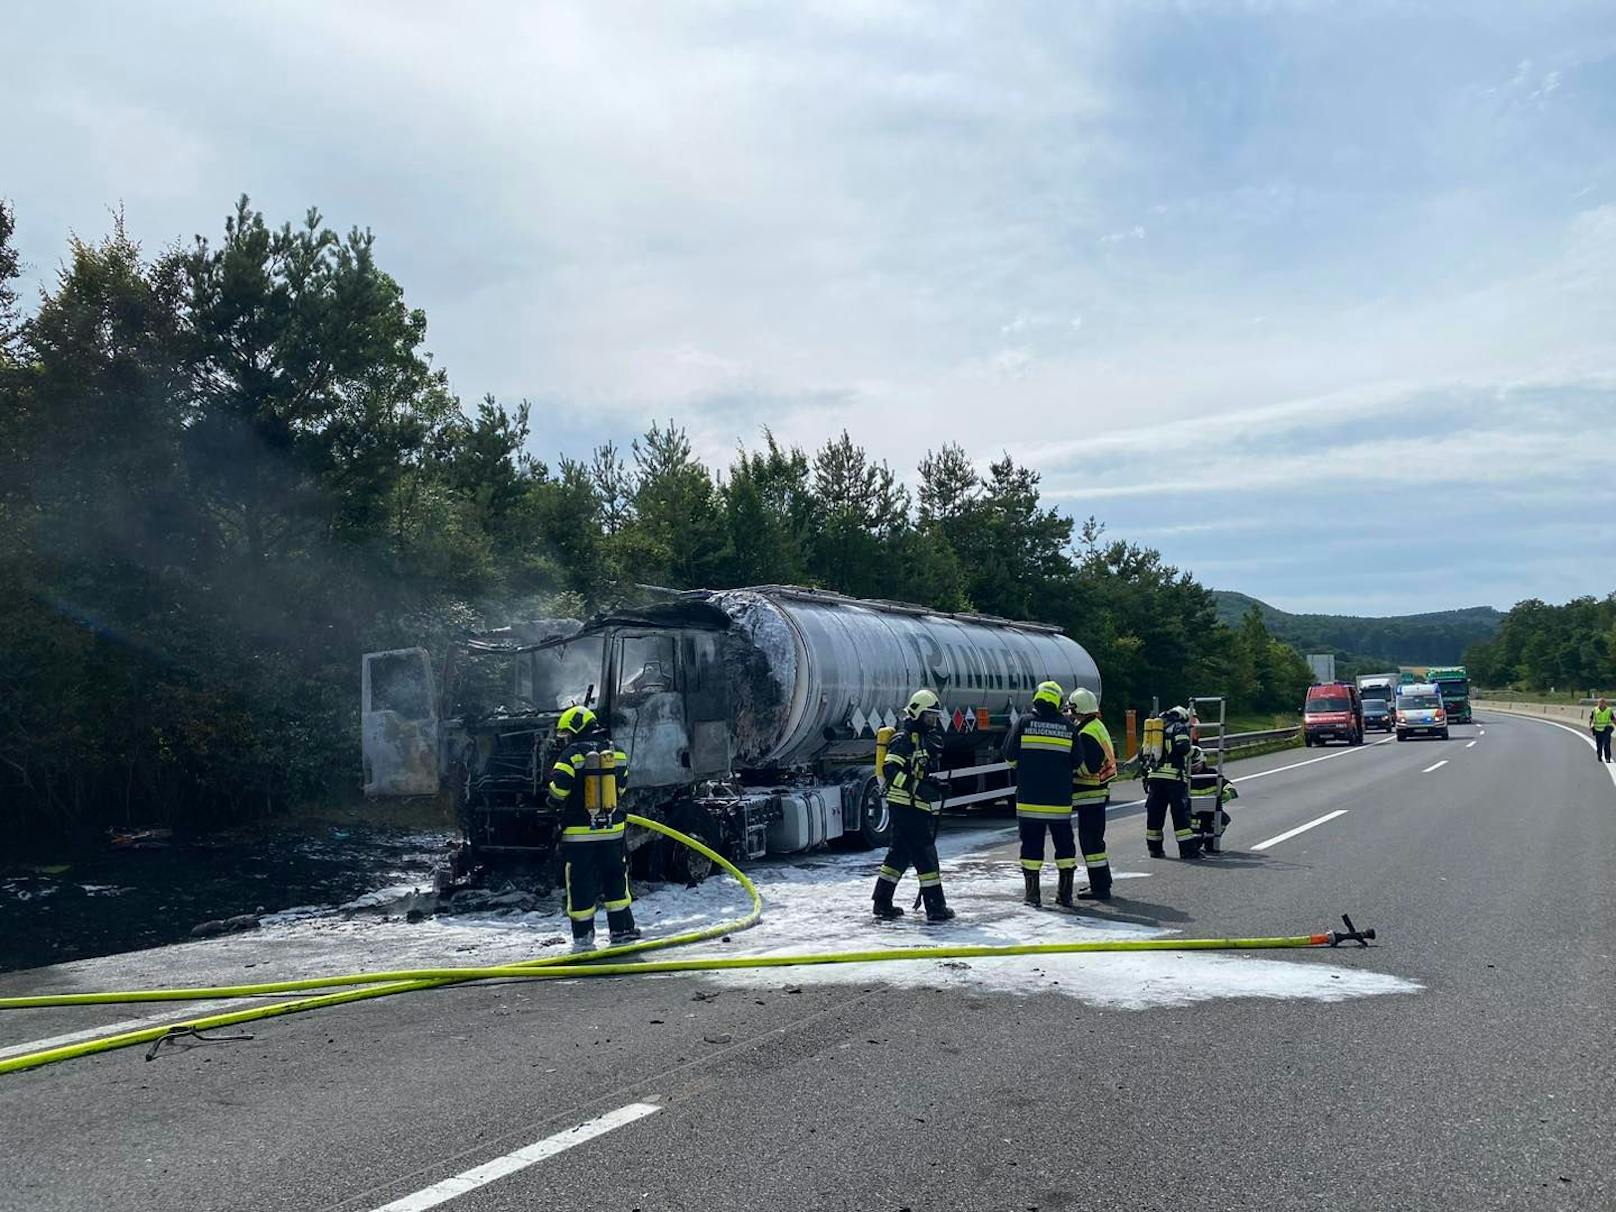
1167, 787
913, 800
1601, 722
585, 785
1039, 750
1207, 782
1094, 765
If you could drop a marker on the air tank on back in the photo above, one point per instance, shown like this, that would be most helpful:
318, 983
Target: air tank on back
825, 666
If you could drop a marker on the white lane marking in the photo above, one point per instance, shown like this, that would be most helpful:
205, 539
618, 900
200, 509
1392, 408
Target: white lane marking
1576, 732
1471, 745
521, 1159
1290, 833
1438, 766
1481, 732
182, 1012
1246, 778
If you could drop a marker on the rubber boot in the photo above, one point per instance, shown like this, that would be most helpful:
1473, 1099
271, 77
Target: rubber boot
583, 936
1034, 895
1190, 848
1099, 888
1063, 893
884, 908
622, 926
937, 909
1155, 849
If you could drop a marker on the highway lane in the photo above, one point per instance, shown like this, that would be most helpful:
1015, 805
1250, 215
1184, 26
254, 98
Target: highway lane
1490, 1087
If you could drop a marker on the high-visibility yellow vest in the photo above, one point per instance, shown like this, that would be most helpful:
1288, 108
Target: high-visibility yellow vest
1093, 786
1604, 717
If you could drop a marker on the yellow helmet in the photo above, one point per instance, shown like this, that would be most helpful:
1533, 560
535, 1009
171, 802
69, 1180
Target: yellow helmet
1048, 692
921, 702
576, 720
1082, 701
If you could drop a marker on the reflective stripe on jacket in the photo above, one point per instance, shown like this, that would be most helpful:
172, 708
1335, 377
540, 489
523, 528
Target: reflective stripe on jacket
1176, 746
909, 761
1039, 749
1091, 780
566, 794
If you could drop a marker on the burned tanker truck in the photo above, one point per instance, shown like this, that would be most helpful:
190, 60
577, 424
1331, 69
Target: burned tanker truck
749, 717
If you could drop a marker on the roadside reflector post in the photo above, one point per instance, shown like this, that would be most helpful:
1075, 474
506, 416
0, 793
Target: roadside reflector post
1132, 744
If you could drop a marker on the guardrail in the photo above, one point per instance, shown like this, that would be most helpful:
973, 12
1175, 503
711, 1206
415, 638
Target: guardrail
1244, 740
1558, 711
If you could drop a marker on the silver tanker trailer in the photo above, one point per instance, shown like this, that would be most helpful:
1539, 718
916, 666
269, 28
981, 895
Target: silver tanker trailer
749, 717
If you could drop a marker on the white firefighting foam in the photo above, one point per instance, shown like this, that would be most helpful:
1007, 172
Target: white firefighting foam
815, 904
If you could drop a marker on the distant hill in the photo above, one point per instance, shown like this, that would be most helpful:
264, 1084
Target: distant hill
1439, 638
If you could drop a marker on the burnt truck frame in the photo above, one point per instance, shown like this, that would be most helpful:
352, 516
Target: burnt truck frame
723, 743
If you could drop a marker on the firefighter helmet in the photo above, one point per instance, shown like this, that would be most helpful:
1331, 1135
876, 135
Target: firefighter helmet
576, 720
1048, 692
923, 703
1083, 702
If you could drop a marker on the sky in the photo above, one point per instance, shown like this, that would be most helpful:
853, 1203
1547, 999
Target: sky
1316, 298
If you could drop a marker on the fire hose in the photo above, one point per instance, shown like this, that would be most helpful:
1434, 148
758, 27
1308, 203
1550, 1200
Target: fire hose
359, 986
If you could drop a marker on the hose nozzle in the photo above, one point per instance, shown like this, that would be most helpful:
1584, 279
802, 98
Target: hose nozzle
1352, 934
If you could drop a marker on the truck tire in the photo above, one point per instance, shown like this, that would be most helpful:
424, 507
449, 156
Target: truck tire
683, 864
874, 829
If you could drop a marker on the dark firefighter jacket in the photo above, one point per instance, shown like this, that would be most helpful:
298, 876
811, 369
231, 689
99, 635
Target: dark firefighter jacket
1039, 748
567, 793
911, 758
1176, 746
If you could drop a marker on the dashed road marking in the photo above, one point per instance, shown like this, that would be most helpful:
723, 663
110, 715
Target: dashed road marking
1438, 766
1246, 778
1290, 833
1471, 745
520, 1159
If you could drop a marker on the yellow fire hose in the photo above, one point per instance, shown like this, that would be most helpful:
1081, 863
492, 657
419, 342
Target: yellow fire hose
567, 967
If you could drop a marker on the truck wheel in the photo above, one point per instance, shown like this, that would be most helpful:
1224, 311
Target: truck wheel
875, 818
684, 864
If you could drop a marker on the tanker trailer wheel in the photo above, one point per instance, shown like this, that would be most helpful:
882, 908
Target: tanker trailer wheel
875, 818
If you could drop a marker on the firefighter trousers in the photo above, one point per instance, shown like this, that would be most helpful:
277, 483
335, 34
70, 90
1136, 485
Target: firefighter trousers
1164, 796
914, 844
597, 871
1091, 836
1602, 744
1032, 841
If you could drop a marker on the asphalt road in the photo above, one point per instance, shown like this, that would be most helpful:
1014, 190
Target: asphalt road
1493, 1085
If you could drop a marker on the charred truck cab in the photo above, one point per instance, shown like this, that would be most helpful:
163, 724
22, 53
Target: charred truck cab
749, 717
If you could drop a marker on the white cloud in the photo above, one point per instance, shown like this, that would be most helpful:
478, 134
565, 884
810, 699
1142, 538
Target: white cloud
825, 215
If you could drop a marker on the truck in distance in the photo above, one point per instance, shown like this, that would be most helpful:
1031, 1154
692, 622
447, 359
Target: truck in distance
1453, 682
749, 718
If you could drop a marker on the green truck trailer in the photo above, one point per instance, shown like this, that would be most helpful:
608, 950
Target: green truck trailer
1454, 684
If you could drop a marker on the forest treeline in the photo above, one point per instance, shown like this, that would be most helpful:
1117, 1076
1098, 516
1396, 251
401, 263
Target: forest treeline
1435, 638
230, 468
1543, 647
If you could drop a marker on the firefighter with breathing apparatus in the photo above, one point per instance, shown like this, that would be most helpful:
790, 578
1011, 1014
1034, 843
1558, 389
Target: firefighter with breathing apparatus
906, 760
589, 774
1094, 766
1039, 751
1165, 759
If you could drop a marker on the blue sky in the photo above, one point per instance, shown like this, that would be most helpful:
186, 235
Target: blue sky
1317, 298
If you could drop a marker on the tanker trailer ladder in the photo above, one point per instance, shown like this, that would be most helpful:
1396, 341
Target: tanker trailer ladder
1212, 843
